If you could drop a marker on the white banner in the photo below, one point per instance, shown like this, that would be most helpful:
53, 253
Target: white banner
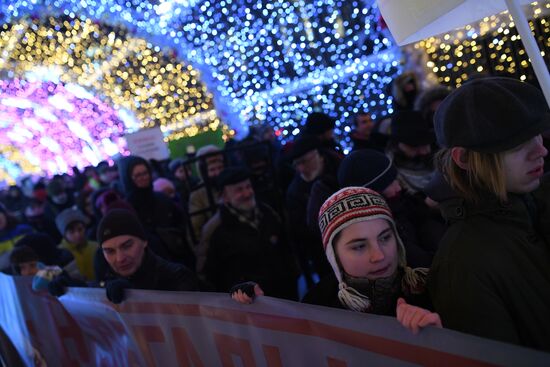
153, 328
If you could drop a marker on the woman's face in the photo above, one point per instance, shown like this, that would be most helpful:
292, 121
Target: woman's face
368, 249
141, 176
524, 166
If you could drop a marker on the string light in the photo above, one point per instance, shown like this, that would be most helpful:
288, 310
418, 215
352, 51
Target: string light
147, 87
492, 47
251, 62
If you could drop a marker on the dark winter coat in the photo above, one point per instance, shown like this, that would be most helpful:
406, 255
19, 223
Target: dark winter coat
420, 228
155, 273
325, 293
491, 275
306, 242
238, 252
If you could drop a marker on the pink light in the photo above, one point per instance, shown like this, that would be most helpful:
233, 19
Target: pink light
98, 118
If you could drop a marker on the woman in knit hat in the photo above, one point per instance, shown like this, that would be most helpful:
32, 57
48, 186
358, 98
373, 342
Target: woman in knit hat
368, 259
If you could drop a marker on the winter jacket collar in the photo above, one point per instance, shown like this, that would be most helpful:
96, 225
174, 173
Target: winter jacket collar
519, 207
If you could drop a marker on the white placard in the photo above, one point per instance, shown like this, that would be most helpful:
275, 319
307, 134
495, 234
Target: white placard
148, 143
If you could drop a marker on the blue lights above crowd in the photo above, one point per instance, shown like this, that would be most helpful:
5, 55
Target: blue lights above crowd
271, 62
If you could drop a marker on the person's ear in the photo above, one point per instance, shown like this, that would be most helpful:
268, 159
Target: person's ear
458, 154
145, 243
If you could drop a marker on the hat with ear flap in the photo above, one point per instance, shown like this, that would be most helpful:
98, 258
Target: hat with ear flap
491, 115
352, 205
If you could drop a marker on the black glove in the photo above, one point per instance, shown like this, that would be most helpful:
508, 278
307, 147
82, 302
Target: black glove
58, 285
115, 289
246, 287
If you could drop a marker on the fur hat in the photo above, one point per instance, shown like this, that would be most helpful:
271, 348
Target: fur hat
345, 207
367, 168
491, 115
119, 222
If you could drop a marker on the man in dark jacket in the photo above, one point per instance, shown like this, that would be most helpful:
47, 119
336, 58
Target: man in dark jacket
246, 241
491, 274
410, 149
128, 263
364, 136
311, 164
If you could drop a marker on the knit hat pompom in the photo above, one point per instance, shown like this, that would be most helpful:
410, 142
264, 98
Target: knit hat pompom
348, 206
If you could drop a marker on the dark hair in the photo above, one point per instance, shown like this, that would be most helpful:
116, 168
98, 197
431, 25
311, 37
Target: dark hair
360, 113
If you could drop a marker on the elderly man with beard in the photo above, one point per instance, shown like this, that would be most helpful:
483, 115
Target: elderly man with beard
245, 241
410, 149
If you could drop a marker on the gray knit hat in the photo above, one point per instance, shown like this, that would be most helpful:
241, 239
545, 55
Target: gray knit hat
68, 216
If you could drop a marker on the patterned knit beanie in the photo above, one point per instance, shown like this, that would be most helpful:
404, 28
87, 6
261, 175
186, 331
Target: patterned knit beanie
345, 207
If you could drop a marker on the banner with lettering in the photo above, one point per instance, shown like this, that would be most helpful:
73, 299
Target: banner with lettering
153, 328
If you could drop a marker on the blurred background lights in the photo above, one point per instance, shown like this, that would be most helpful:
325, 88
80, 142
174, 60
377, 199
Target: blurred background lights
192, 65
84, 73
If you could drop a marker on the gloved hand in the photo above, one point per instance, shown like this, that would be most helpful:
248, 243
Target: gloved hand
245, 292
58, 285
115, 289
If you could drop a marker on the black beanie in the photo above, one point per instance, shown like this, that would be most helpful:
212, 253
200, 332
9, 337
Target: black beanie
410, 128
367, 168
119, 222
491, 115
231, 176
318, 123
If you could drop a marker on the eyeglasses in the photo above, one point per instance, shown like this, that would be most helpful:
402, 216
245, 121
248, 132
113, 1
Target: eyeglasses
141, 174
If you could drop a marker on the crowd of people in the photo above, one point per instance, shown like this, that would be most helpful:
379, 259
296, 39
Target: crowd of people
439, 216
